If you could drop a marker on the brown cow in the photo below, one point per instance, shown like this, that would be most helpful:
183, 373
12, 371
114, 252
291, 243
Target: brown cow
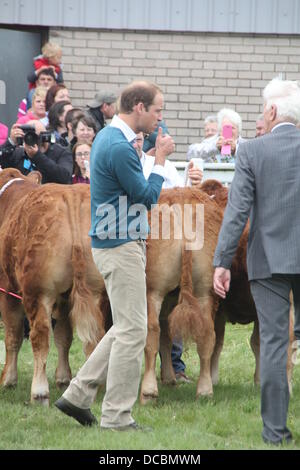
170, 264
239, 307
45, 257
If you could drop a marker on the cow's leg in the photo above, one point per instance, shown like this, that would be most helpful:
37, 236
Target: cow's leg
167, 372
149, 389
220, 322
39, 315
205, 347
254, 341
13, 316
63, 335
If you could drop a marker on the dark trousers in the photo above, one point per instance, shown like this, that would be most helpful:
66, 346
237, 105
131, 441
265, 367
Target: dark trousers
271, 297
176, 353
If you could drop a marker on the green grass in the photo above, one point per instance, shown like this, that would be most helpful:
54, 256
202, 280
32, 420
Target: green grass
230, 420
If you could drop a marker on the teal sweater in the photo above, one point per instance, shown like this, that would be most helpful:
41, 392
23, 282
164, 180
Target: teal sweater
120, 195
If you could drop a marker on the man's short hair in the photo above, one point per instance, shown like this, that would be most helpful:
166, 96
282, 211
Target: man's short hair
138, 92
49, 72
73, 114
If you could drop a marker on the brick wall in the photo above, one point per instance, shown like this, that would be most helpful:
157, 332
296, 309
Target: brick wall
199, 73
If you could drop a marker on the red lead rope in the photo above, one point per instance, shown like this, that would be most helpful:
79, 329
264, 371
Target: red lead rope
11, 293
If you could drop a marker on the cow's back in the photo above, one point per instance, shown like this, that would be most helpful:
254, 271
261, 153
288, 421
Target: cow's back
37, 239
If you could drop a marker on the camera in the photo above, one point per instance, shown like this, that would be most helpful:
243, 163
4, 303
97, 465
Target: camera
46, 137
32, 138
28, 131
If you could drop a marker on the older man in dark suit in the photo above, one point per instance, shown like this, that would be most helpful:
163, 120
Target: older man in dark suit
266, 186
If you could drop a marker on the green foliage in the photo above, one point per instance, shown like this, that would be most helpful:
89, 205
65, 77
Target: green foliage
229, 420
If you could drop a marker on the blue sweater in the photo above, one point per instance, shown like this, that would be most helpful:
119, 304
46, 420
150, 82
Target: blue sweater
120, 194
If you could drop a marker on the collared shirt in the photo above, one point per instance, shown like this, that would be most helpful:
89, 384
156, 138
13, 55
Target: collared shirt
120, 124
131, 136
286, 123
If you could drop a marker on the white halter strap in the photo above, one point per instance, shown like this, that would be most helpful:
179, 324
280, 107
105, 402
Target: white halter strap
4, 188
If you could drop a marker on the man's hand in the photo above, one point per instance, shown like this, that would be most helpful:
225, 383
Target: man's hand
222, 278
15, 132
220, 143
151, 152
164, 146
232, 143
31, 150
195, 174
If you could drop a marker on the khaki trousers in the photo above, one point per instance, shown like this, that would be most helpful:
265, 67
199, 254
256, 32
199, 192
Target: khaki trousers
117, 359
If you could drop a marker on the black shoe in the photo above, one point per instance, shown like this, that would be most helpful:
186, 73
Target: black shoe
287, 440
84, 417
129, 427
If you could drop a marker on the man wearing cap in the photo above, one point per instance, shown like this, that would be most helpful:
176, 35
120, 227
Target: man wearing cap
102, 107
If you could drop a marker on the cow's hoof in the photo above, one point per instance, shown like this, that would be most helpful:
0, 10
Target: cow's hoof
204, 392
40, 400
215, 379
62, 384
170, 381
205, 395
8, 384
146, 399
9, 380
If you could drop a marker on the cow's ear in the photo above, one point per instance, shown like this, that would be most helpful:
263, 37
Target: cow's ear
35, 177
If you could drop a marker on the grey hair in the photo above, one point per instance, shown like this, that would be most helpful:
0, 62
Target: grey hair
233, 117
211, 118
285, 95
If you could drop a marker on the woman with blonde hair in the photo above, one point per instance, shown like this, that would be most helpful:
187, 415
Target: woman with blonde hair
38, 109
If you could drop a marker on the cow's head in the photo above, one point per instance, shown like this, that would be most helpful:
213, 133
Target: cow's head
12, 173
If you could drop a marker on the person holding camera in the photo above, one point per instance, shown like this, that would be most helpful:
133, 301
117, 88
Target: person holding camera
221, 147
30, 148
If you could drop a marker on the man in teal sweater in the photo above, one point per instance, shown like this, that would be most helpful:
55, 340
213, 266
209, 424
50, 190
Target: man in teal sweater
120, 199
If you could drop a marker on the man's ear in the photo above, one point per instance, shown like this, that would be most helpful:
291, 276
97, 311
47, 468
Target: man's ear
139, 107
273, 112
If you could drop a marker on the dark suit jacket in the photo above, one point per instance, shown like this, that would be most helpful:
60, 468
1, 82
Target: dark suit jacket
266, 186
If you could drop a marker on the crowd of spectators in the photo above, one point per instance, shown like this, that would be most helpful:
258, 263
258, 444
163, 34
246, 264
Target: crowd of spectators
49, 134
48, 103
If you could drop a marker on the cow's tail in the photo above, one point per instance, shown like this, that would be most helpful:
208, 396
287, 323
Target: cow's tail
85, 311
185, 321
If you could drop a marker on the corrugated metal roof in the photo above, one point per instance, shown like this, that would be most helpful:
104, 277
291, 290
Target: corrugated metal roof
231, 16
